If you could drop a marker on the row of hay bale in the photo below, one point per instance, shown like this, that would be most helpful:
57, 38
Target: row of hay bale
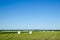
30, 32
46, 31
19, 32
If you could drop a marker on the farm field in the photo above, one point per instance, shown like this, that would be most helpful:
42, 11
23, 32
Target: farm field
33, 36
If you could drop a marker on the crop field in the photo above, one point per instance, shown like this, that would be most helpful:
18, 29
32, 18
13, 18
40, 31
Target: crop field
26, 36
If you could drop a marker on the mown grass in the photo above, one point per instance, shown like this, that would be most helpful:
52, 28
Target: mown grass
27, 36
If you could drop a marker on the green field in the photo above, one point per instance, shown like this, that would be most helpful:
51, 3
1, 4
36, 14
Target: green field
27, 36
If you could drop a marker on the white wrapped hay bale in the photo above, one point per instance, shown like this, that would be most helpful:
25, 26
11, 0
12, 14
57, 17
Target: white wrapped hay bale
52, 31
43, 31
30, 32
19, 32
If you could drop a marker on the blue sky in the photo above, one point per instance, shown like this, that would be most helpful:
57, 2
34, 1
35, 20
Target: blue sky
29, 14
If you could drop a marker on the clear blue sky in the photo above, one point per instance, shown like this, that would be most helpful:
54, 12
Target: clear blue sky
29, 14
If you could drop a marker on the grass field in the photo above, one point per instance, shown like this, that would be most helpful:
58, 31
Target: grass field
27, 36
